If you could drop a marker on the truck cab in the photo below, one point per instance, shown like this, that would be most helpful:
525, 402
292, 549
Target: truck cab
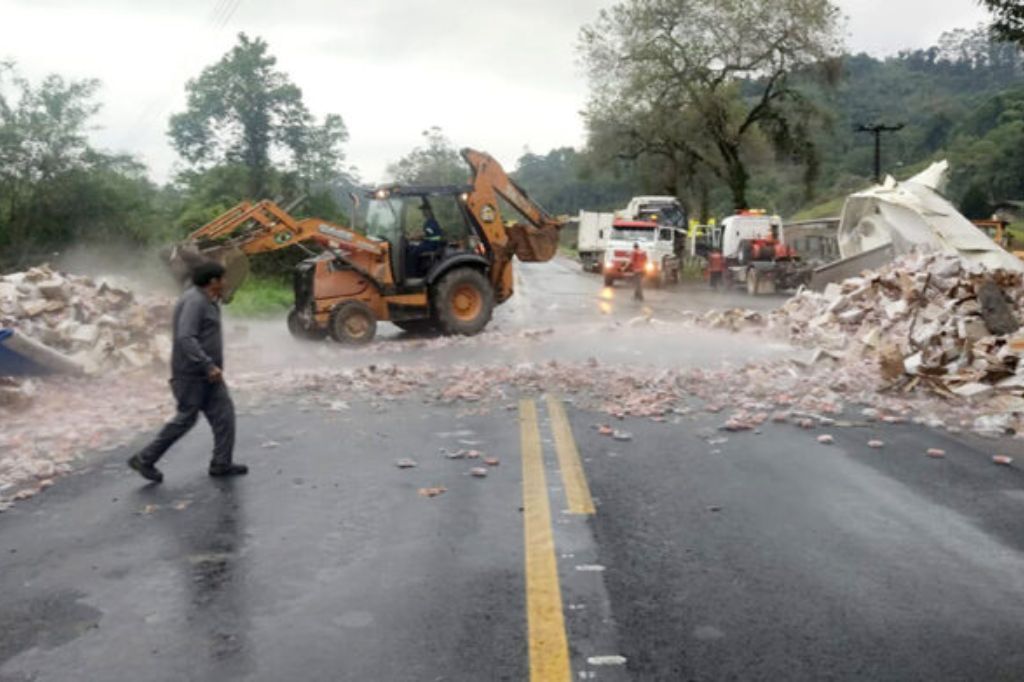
747, 227
664, 210
658, 242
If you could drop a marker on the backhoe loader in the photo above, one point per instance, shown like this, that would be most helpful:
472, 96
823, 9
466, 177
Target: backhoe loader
432, 258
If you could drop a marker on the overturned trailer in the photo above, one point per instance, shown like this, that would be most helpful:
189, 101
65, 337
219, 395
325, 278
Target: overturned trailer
897, 218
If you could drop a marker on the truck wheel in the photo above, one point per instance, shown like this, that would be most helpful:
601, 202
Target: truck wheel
609, 281
463, 302
352, 323
665, 274
746, 254
296, 329
414, 326
753, 281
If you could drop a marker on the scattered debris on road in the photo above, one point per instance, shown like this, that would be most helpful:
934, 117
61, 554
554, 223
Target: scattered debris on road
826, 439
478, 472
1002, 460
406, 463
433, 492
876, 444
936, 453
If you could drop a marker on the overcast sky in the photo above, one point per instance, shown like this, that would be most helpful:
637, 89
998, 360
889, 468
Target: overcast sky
497, 75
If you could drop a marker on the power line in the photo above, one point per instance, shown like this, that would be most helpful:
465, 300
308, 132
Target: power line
232, 7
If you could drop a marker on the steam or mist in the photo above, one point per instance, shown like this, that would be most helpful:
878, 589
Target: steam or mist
141, 270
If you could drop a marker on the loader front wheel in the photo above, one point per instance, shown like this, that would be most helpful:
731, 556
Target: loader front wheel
463, 302
298, 331
352, 323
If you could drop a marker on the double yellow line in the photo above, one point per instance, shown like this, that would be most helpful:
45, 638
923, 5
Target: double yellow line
548, 644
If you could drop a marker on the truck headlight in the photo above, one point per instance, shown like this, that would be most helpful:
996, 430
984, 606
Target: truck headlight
649, 268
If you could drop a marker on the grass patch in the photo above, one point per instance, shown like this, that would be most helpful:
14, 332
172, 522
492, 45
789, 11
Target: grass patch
1016, 231
262, 297
828, 209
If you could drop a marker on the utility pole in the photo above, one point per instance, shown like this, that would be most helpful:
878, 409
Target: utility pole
877, 131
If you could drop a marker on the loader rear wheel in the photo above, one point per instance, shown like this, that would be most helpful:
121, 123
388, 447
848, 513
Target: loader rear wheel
352, 323
296, 329
463, 302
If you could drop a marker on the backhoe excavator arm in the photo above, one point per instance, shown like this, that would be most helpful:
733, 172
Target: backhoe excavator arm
534, 242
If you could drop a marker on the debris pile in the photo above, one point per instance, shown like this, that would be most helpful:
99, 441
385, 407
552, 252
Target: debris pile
97, 325
927, 324
928, 318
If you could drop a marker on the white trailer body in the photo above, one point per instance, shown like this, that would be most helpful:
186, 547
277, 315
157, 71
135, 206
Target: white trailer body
592, 240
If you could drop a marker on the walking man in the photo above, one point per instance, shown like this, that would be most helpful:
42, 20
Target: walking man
197, 378
638, 264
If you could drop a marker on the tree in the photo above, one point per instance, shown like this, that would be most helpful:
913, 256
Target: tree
1009, 19
437, 162
704, 83
242, 110
55, 189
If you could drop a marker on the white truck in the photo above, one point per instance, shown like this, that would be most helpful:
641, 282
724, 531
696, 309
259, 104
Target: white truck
664, 210
594, 231
659, 242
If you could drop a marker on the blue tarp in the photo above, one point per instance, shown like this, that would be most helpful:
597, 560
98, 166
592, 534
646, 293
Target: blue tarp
13, 364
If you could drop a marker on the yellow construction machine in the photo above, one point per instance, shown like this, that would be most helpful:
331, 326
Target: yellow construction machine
426, 258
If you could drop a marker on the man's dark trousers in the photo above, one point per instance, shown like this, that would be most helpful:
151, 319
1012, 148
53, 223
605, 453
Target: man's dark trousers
195, 395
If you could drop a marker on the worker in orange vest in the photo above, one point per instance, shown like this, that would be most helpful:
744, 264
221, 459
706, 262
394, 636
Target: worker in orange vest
637, 264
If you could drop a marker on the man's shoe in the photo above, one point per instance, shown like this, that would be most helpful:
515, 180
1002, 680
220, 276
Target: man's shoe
229, 470
147, 471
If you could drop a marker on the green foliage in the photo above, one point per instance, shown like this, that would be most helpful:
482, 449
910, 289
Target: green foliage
1009, 19
55, 189
437, 162
262, 296
564, 182
241, 110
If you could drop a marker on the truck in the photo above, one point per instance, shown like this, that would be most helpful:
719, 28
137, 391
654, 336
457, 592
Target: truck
664, 210
660, 243
757, 256
594, 230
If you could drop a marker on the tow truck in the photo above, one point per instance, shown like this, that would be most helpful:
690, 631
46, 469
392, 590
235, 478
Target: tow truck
756, 255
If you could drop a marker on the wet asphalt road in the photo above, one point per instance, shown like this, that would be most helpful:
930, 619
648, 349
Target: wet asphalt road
763, 557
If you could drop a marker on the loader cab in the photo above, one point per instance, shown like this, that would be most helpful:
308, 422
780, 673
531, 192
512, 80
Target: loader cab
424, 226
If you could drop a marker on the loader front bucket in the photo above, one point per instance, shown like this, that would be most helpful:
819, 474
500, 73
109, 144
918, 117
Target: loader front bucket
183, 258
532, 245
